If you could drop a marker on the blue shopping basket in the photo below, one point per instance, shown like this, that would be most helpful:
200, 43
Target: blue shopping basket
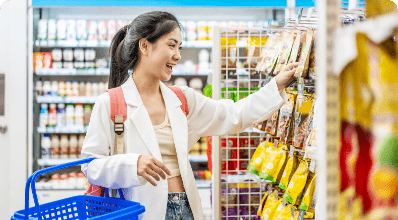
77, 207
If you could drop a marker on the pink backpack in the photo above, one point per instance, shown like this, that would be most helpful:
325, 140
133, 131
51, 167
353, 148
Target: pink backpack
118, 116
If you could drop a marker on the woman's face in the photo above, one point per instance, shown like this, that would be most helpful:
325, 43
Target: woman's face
164, 54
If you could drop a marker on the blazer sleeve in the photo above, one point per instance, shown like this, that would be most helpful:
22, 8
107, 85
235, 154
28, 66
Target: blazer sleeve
209, 117
116, 171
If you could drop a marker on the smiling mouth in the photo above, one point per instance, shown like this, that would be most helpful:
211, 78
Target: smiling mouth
169, 67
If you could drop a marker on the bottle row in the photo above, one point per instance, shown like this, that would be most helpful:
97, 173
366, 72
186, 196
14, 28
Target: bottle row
105, 30
73, 116
71, 180
61, 147
70, 89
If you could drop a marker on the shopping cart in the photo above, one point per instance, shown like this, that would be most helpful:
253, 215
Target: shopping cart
77, 207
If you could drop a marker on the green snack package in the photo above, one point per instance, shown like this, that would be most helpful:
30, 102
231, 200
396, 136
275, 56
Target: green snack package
273, 163
290, 168
297, 183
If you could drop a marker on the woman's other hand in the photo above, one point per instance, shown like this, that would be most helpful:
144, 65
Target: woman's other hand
148, 167
286, 76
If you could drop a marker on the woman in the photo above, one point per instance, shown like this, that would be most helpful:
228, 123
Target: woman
158, 135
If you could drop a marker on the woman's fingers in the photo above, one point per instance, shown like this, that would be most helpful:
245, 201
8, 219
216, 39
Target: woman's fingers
147, 177
159, 171
162, 166
153, 174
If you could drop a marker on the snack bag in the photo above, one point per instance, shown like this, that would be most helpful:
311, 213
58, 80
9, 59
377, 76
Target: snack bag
253, 52
290, 168
262, 204
267, 53
296, 46
288, 41
285, 125
312, 65
258, 158
309, 194
302, 115
297, 183
272, 165
272, 124
270, 207
304, 56
270, 63
284, 212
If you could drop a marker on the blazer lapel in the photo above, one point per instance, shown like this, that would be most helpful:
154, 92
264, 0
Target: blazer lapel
140, 117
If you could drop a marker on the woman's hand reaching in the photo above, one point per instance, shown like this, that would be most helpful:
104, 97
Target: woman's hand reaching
148, 167
286, 76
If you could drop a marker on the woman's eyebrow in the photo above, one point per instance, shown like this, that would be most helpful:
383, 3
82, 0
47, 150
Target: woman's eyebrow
175, 40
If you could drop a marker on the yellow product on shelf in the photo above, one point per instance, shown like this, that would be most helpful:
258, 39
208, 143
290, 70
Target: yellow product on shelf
258, 158
297, 183
270, 207
290, 168
284, 212
262, 204
309, 194
275, 159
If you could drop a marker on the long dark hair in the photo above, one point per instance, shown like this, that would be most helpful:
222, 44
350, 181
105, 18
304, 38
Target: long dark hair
124, 48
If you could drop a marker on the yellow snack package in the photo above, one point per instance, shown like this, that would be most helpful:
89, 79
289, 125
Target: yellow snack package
270, 207
284, 212
309, 194
290, 168
258, 158
262, 204
297, 183
275, 159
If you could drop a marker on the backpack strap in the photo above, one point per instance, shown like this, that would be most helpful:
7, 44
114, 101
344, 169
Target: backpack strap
181, 97
118, 116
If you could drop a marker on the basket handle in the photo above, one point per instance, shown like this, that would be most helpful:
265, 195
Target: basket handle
32, 183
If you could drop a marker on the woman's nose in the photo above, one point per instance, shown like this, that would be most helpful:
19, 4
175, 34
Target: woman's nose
177, 56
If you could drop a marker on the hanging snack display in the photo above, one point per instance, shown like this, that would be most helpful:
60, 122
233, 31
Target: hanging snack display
271, 205
296, 46
273, 163
303, 114
289, 38
267, 53
302, 69
312, 59
272, 124
258, 158
290, 168
286, 119
297, 183
309, 194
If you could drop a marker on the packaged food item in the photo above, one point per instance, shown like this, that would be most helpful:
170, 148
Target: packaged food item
94, 88
61, 115
271, 206
102, 30
70, 116
81, 180
284, 212
39, 88
112, 29
211, 24
89, 65
300, 37
288, 172
312, 59
47, 60
47, 88
52, 29
101, 88
302, 116
55, 181
272, 165
38, 61
55, 149
42, 29
262, 204
56, 55
52, 115
68, 55
63, 183
54, 88
258, 159
46, 147
44, 115
309, 194
89, 55
71, 29
75, 89
286, 120
80, 145
61, 29
72, 180
81, 29
57, 65
191, 31
68, 89
202, 30
288, 40
304, 56
79, 55
68, 65
82, 88
88, 89
101, 63
87, 115
64, 143
272, 55
79, 116
266, 52
272, 124
92, 27
61, 88
73, 146
297, 183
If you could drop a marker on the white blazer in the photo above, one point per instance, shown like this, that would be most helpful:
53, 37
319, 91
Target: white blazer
207, 117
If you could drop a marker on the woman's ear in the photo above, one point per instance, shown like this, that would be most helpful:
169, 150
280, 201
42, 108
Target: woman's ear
143, 46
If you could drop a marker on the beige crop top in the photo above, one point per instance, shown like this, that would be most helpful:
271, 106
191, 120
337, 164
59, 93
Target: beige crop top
167, 147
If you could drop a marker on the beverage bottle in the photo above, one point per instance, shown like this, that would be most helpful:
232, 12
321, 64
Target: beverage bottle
82, 88
87, 115
54, 88
61, 115
80, 145
88, 89
70, 116
64, 143
52, 116
101, 88
73, 146
75, 89
46, 88
79, 116
94, 88
55, 149
62, 89
39, 88
45, 147
44, 115
68, 89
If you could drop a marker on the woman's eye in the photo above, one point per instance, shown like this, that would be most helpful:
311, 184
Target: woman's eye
180, 48
172, 46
